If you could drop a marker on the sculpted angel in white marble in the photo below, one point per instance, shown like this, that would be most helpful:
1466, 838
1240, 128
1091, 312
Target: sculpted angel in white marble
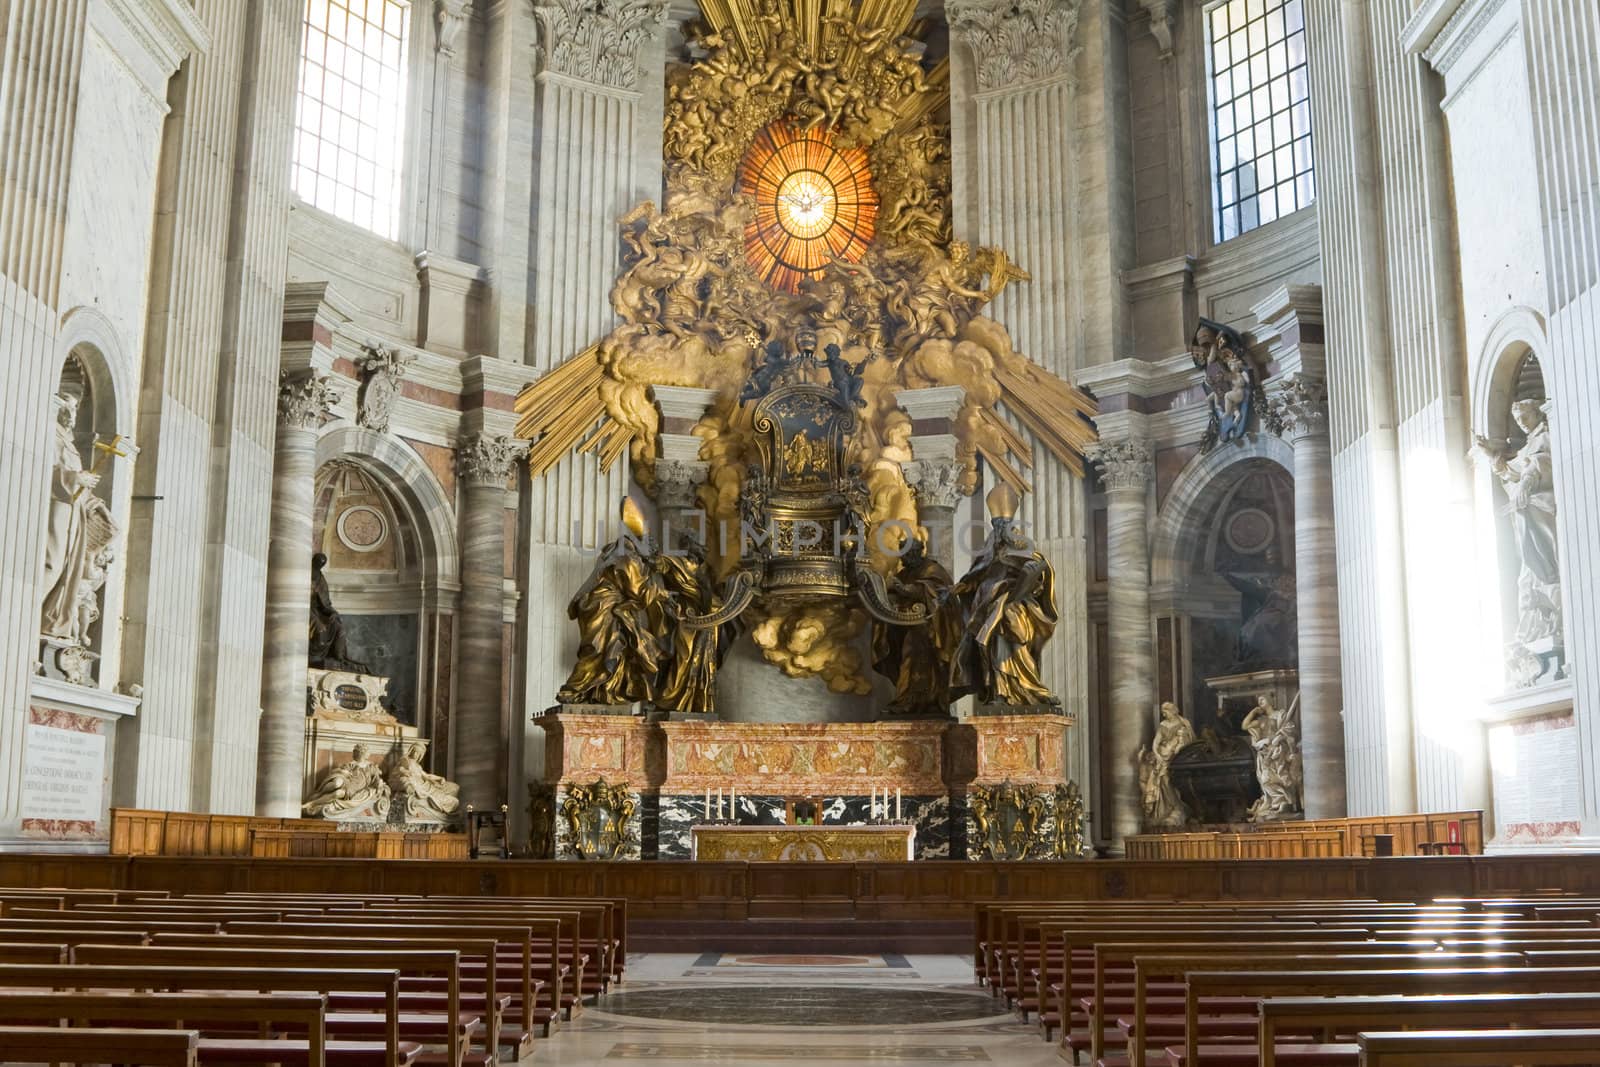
1275, 736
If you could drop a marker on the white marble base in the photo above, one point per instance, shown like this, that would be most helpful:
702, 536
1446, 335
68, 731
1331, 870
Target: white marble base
69, 741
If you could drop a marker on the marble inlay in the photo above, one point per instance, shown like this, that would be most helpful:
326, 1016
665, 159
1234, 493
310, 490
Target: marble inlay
678, 814
803, 1005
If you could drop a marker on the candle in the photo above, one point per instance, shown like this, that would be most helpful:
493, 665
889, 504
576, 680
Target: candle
896, 803
733, 803
719, 802
707, 812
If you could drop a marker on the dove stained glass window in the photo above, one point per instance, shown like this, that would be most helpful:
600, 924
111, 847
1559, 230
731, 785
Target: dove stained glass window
814, 203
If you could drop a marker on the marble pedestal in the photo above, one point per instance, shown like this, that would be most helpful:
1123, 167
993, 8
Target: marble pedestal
66, 762
684, 773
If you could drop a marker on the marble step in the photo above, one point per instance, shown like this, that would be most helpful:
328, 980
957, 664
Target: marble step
849, 936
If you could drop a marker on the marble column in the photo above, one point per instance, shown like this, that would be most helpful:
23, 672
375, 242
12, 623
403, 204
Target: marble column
303, 402
484, 463
934, 473
1303, 403
679, 470
1126, 468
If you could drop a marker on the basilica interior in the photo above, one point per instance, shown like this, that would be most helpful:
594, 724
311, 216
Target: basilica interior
826, 487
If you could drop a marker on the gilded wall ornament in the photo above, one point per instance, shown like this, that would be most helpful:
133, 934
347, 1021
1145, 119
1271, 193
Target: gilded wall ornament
702, 296
597, 818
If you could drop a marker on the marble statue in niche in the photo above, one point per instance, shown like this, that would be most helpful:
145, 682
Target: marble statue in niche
329, 648
350, 788
1528, 477
428, 797
1229, 378
79, 548
621, 612
916, 658
1275, 737
1163, 809
1002, 612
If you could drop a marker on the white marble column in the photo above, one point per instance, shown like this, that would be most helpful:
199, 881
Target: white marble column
484, 464
934, 473
1304, 403
1126, 468
303, 402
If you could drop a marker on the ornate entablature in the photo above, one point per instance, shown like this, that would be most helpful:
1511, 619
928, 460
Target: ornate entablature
807, 209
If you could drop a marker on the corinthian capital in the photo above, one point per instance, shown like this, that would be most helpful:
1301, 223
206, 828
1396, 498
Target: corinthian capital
1016, 42
1123, 464
304, 399
936, 483
678, 482
597, 40
487, 458
1299, 408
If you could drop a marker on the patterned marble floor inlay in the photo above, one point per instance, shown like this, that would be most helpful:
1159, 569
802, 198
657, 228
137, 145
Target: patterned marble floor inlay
702, 1053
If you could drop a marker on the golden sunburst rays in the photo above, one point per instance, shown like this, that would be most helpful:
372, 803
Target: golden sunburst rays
1056, 412
814, 203
754, 26
564, 412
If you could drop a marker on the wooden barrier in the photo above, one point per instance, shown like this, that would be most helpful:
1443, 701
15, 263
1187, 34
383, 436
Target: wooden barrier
1308, 839
140, 832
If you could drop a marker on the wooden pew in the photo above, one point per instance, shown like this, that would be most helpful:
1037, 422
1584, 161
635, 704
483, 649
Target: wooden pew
149, 1048
303, 1012
145, 967
1341, 1018
33, 952
1219, 959
423, 1018
1479, 1048
1210, 985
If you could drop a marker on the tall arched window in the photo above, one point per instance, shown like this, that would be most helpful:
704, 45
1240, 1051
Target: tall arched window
350, 111
1260, 92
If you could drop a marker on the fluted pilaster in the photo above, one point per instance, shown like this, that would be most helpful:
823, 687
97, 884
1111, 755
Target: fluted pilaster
303, 403
1126, 468
484, 463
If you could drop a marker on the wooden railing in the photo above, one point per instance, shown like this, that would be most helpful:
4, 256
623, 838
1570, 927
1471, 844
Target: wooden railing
1458, 832
139, 832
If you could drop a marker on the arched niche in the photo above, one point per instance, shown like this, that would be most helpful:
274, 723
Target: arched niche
1518, 564
384, 521
93, 382
1223, 544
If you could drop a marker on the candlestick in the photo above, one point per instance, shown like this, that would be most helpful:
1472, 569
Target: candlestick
733, 803
707, 811
719, 803
896, 803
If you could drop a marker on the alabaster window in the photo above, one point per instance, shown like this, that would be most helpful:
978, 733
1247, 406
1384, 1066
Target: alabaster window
350, 111
1260, 113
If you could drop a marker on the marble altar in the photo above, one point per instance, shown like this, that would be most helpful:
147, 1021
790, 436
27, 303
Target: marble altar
810, 844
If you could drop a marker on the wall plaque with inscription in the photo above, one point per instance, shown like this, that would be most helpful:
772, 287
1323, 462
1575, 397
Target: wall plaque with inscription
63, 776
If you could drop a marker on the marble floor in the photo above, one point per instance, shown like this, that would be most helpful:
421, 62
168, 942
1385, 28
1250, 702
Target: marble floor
845, 1011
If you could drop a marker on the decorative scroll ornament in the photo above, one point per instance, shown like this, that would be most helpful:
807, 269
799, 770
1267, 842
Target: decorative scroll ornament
1016, 42
304, 399
1010, 820
597, 819
1162, 14
487, 459
449, 19
1067, 840
382, 367
597, 40
1123, 464
1299, 408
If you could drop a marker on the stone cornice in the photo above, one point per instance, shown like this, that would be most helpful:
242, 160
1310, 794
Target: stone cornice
167, 30
597, 41
1017, 44
1442, 31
